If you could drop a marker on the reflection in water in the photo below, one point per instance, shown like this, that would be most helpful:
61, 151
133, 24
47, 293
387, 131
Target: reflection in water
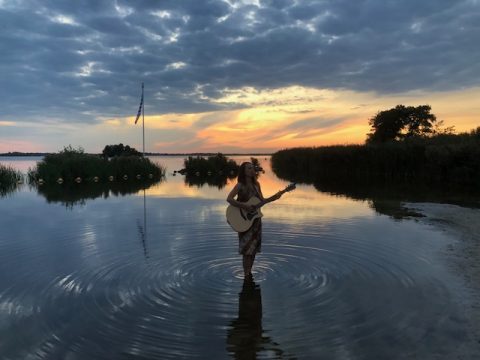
6, 189
386, 197
245, 337
142, 230
71, 194
218, 180
353, 285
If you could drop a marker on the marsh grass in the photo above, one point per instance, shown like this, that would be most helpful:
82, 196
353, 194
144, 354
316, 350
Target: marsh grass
70, 164
451, 161
9, 179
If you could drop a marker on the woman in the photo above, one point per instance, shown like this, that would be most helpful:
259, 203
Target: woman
250, 241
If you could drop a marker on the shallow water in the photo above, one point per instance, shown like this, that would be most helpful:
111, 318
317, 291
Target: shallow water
157, 275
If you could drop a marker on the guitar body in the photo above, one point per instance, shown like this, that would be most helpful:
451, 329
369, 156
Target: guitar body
240, 219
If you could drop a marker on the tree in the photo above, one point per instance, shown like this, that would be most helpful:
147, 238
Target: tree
119, 150
401, 122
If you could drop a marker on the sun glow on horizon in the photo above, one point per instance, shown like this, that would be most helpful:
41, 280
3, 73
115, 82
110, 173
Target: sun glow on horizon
298, 116
267, 121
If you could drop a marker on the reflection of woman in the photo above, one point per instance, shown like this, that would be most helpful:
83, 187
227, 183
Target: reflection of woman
250, 241
245, 337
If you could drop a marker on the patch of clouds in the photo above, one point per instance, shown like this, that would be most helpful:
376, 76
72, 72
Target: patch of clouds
176, 65
238, 52
62, 19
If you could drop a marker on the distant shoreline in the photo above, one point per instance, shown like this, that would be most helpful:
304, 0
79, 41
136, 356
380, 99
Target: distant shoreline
20, 154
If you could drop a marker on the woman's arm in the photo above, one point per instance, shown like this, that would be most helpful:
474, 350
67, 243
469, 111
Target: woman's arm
259, 190
231, 198
271, 198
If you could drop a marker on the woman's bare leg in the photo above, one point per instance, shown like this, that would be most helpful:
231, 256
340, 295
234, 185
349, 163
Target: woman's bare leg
248, 264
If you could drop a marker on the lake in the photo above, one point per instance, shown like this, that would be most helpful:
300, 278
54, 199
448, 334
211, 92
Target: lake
155, 274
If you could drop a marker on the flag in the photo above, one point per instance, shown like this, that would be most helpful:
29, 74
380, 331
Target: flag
140, 107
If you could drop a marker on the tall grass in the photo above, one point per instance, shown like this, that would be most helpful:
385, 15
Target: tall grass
70, 164
218, 163
8, 179
445, 160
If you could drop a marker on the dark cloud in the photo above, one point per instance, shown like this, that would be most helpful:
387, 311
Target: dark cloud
75, 60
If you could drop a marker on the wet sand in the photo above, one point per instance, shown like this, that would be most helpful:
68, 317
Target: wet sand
463, 258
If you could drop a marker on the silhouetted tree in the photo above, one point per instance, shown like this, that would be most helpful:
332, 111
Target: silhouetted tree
402, 122
119, 150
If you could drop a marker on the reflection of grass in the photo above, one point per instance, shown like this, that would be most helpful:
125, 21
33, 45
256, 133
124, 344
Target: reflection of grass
213, 170
388, 198
8, 179
71, 194
445, 170
71, 164
217, 180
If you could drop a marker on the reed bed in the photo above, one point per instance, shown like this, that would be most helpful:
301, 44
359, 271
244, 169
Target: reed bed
445, 160
9, 178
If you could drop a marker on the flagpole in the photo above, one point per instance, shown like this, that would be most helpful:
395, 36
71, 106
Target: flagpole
143, 121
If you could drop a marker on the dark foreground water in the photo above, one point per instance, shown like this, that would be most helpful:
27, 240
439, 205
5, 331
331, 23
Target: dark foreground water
156, 275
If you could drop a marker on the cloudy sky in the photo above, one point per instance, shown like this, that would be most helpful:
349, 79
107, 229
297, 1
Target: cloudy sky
227, 75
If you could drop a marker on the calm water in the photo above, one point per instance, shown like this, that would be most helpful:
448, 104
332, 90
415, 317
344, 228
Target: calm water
156, 275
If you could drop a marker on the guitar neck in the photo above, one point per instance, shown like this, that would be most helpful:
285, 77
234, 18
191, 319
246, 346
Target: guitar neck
269, 200
281, 192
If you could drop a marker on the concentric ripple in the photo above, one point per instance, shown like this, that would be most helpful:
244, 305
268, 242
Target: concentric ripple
100, 292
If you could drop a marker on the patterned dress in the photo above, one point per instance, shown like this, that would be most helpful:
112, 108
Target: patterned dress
250, 241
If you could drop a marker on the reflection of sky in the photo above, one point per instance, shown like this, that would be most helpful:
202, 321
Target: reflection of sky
91, 257
21, 163
302, 203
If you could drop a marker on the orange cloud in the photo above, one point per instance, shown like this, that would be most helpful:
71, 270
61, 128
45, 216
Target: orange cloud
274, 119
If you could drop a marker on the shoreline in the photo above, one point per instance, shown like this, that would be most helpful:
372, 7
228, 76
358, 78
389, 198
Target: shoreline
462, 257
16, 154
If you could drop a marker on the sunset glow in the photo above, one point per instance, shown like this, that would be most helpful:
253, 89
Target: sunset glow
296, 116
252, 76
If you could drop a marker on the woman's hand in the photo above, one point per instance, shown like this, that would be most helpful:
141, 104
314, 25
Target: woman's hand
277, 196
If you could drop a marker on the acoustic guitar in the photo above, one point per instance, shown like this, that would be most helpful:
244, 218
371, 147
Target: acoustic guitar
241, 220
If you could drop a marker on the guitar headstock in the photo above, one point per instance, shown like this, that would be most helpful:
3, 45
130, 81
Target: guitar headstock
290, 187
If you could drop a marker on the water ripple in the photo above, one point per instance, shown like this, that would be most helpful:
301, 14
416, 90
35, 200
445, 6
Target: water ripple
323, 291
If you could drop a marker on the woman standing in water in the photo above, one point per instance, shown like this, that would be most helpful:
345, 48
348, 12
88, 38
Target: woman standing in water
250, 241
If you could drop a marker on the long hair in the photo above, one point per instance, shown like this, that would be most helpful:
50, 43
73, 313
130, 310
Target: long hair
242, 176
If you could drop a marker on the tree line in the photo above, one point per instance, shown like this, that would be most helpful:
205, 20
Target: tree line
406, 144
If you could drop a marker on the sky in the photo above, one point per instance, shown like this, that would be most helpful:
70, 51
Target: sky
229, 76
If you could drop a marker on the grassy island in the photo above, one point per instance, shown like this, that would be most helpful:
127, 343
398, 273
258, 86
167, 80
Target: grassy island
73, 165
213, 170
